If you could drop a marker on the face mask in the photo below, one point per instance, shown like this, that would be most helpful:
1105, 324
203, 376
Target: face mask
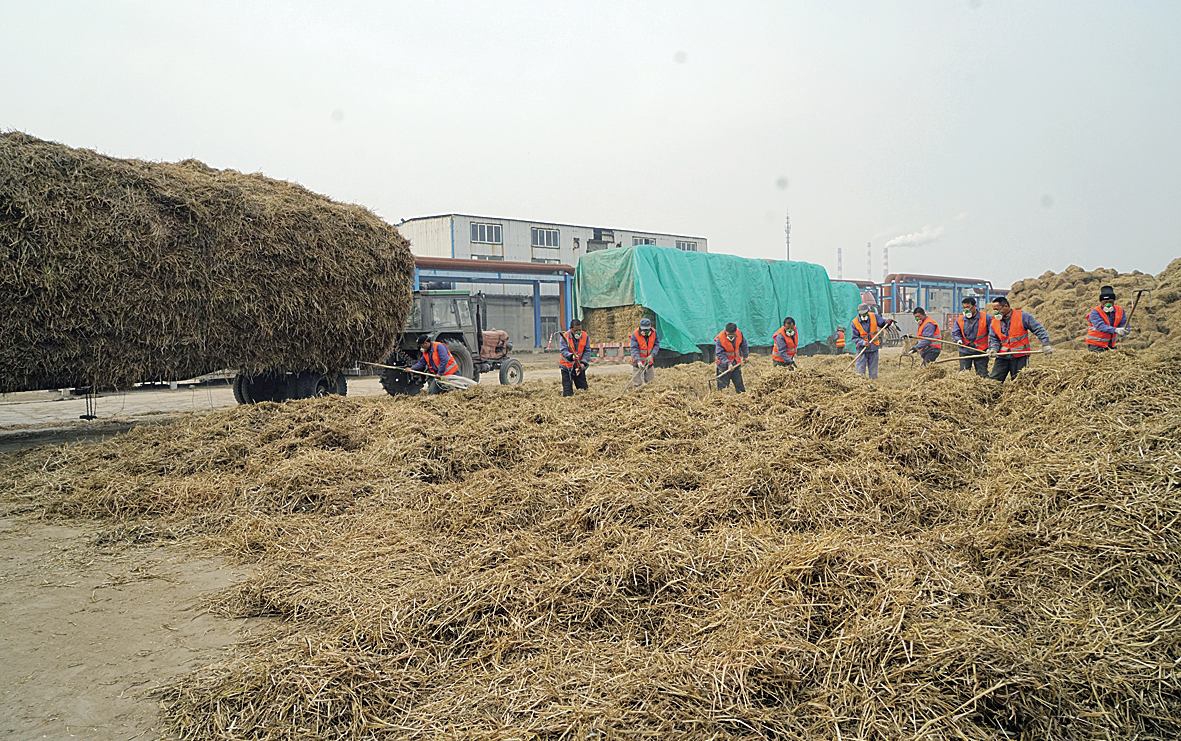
645, 332
577, 333
968, 313
790, 332
1108, 306
731, 337
997, 314
863, 316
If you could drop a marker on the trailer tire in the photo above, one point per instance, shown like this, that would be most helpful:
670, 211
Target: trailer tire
311, 384
240, 395
512, 373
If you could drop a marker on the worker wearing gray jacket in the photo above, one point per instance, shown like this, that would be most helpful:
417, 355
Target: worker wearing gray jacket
971, 329
1008, 339
644, 346
866, 330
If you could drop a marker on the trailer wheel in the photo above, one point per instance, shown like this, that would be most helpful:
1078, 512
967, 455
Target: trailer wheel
342, 385
512, 373
397, 382
269, 386
310, 384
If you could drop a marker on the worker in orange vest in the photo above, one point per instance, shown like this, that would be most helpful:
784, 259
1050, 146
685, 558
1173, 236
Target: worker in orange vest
644, 347
784, 344
840, 341
866, 326
1008, 339
1107, 321
435, 358
730, 354
572, 357
928, 330
970, 328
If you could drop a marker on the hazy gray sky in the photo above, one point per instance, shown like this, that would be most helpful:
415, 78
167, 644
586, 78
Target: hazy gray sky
1025, 135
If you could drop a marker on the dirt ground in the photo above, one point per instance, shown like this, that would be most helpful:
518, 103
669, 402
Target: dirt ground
88, 631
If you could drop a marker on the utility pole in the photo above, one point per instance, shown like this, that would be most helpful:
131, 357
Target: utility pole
787, 232
869, 261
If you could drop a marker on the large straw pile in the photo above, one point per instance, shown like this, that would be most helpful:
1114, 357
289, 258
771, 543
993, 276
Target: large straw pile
1061, 301
614, 324
821, 558
115, 271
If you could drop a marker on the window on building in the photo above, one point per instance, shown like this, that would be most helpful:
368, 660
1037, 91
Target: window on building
686, 246
483, 233
488, 257
643, 240
547, 260
541, 237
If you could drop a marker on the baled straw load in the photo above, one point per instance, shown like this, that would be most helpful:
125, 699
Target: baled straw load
116, 271
614, 324
821, 558
1061, 301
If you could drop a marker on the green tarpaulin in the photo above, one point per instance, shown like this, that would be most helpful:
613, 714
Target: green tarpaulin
694, 294
846, 297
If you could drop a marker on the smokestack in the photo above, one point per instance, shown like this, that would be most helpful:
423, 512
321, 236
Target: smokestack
840, 270
868, 261
885, 262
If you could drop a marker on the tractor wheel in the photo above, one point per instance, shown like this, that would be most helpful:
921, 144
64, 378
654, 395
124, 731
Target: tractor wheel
240, 390
463, 357
342, 385
512, 373
397, 382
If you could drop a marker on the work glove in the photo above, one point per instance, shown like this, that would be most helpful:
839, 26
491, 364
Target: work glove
1047, 349
992, 353
1121, 331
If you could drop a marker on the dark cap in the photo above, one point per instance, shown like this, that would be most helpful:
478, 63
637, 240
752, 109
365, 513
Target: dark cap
423, 338
731, 327
1107, 292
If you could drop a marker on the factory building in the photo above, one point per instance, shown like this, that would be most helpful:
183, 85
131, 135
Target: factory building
494, 239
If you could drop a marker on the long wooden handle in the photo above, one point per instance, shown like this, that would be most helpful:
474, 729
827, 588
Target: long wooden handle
985, 355
866, 347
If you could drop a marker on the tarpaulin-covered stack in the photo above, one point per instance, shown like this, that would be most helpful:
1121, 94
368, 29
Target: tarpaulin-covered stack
693, 295
116, 271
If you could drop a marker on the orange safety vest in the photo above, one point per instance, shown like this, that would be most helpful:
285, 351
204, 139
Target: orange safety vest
576, 351
981, 340
1104, 339
932, 322
1013, 343
841, 338
432, 361
645, 345
729, 349
873, 328
792, 343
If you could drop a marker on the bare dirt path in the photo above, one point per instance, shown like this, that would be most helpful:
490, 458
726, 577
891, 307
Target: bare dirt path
86, 631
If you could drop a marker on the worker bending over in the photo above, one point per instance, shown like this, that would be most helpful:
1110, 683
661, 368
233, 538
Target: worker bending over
644, 346
928, 330
730, 353
866, 326
1008, 339
784, 343
1107, 321
970, 328
434, 357
572, 358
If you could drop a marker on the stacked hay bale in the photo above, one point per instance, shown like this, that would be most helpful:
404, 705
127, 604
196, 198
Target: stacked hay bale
614, 324
1061, 301
117, 271
547, 567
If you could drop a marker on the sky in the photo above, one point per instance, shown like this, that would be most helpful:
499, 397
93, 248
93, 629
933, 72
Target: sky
982, 138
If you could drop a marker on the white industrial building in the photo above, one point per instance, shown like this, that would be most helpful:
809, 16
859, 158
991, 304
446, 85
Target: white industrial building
495, 239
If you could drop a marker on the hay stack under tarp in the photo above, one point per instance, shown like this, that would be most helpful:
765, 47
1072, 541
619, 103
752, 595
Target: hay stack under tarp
1061, 301
933, 556
614, 324
117, 271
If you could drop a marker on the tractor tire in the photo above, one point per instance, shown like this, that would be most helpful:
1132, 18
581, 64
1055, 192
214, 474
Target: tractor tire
463, 357
310, 384
342, 385
397, 382
512, 373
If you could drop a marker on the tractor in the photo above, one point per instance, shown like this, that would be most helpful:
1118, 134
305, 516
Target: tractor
455, 318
